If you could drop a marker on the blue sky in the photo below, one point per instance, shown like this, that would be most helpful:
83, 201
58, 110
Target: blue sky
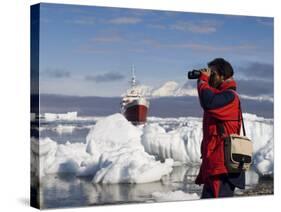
88, 51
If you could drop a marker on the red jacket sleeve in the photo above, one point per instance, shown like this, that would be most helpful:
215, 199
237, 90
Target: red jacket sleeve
217, 103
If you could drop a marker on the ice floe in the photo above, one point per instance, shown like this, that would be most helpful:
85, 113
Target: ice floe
60, 116
183, 143
115, 142
59, 158
118, 152
61, 129
174, 196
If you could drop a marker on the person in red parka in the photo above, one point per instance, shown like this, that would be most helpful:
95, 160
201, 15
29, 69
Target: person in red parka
220, 102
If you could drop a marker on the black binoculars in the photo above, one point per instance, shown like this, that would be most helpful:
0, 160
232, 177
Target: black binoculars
194, 74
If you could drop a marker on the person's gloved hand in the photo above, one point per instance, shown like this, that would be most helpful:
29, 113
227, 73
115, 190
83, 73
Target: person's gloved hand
206, 71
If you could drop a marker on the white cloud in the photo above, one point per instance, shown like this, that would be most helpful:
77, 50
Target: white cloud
106, 77
265, 21
125, 20
204, 27
201, 46
82, 21
201, 27
107, 38
257, 98
56, 73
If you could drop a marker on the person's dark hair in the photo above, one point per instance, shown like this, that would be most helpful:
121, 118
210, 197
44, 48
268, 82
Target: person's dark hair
224, 67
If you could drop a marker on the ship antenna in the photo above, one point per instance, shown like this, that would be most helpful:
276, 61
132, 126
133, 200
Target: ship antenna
133, 81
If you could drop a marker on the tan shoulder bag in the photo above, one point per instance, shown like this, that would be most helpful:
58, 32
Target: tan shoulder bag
238, 150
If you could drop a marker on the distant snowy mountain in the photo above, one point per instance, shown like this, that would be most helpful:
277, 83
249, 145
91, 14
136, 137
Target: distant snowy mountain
168, 89
173, 88
186, 90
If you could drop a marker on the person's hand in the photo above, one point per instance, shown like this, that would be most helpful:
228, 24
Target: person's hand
206, 71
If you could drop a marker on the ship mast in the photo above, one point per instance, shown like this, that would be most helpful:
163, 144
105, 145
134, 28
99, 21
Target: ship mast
133, 79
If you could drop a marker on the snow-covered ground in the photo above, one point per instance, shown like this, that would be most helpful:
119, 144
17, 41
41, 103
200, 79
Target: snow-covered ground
115, 151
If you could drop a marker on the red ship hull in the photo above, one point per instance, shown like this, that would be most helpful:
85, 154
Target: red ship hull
136, 114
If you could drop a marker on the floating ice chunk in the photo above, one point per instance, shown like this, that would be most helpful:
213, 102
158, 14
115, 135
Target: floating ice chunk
61, 129
117, 151
115, 143
182, 144
112, 133
47, 151
131, 167
252, 178
264, 160
60, 158
60, 116
174, 196
260, 131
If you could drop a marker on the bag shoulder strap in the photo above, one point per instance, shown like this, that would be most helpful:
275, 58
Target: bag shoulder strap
243, 126
240, 117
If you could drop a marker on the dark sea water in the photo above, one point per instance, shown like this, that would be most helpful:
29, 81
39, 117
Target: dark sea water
70, 191
159, 107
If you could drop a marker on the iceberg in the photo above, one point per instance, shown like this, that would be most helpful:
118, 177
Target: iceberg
116, 144
64, 129
118, 152
57, 158
183, 143
60, 116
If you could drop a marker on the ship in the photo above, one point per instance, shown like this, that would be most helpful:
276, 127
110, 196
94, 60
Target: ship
134, 105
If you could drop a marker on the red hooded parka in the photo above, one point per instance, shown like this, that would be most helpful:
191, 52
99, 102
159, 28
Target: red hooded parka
222, 105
